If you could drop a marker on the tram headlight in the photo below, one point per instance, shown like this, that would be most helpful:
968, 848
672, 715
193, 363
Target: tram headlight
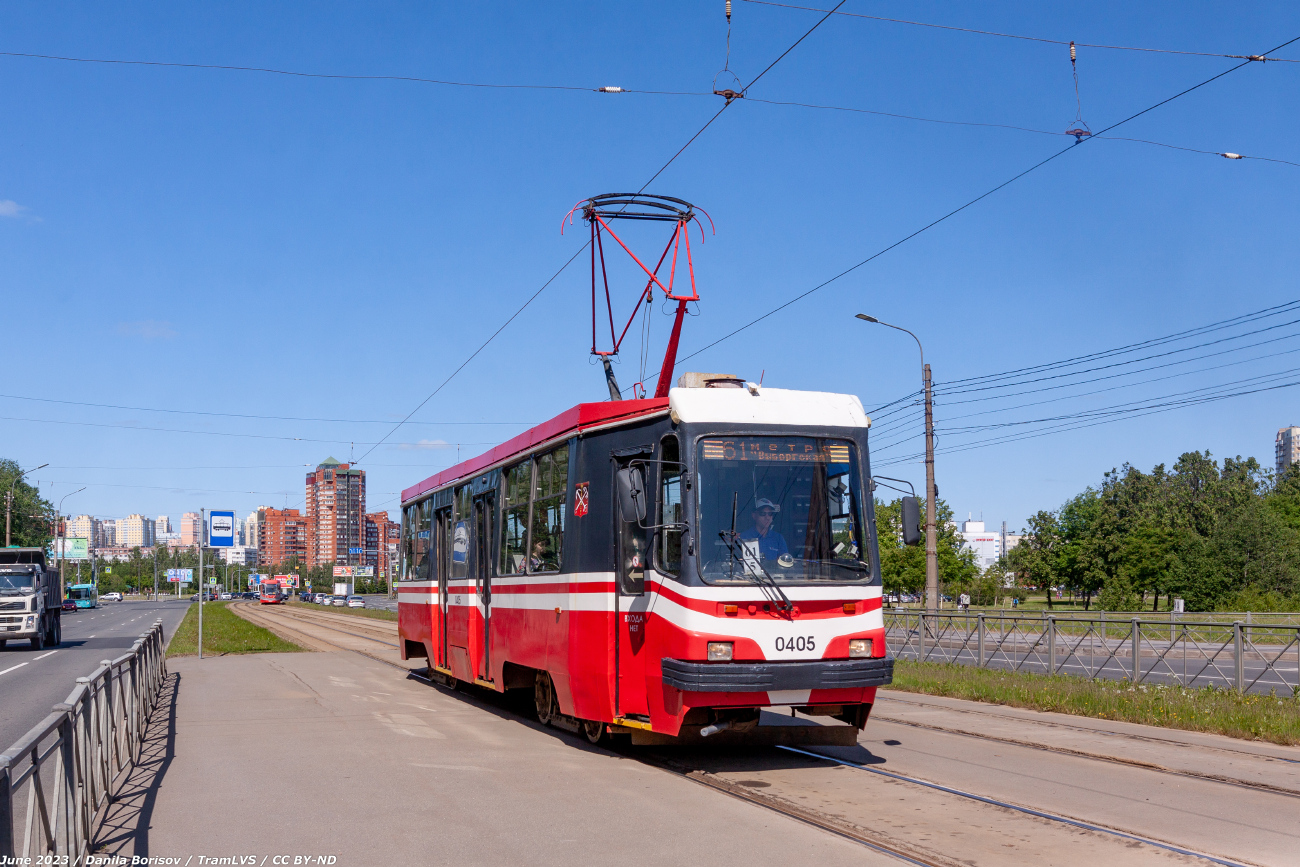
859, 647
720, 651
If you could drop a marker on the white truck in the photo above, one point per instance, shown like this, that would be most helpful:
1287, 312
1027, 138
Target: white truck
343, 588
31, 598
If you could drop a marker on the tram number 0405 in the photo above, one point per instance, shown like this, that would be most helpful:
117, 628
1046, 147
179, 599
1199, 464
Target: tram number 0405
801, 644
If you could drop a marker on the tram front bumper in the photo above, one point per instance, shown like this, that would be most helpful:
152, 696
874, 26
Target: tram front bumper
772, 676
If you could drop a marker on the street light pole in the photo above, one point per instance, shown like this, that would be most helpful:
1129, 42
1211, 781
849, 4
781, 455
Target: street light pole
931, 530
9, 498
59, 537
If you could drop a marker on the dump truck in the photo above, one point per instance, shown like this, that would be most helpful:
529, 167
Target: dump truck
31, 598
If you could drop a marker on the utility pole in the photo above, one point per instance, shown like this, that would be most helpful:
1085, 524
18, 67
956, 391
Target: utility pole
931, 528
59, 539
203, 531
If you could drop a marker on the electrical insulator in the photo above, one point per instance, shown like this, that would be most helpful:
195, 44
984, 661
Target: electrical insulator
609, 90
1232, 156
1072, 51
728, 11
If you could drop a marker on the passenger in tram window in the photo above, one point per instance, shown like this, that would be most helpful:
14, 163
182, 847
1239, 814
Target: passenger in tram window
771, 544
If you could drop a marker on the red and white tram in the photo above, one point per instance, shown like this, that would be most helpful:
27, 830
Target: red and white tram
671, 564
738, 570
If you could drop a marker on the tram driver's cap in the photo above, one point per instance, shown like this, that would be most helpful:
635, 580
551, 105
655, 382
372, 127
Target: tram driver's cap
765, 503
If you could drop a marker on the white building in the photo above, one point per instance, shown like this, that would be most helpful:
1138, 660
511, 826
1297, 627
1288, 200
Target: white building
239, 555
988, 545
162, 524
107, 533
1286, 448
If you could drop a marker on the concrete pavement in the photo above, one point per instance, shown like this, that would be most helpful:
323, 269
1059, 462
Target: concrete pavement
337, 754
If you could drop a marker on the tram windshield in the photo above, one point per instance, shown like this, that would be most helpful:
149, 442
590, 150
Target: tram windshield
786, 508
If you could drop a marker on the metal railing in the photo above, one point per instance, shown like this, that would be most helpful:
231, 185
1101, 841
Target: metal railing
1242, 656
57, 781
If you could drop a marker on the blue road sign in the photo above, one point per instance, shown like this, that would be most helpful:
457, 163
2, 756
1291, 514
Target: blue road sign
221, 529
355, 550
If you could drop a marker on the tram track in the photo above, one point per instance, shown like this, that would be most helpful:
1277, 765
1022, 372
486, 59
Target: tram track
318, 628
1099, 757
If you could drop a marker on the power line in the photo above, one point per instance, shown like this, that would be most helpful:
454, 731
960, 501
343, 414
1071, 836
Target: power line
252, 415
1246, 57
344, 77
968, 204
1142, 344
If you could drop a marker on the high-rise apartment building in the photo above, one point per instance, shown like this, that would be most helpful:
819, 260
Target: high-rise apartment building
281, 533
162, 524
191, 529
84, 527
135, 531
336, 502
381, 538
107, 533
1286, 449
251, 528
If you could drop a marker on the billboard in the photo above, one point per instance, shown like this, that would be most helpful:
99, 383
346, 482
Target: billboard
74, 548
254, 579
180, 576
354, 571
286, 580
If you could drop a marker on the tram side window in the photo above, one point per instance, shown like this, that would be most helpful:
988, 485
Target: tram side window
551, 481
670, 506
514, 519
421, 543
408, 547
460, 535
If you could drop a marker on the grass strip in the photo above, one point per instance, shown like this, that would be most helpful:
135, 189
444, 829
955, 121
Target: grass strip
1271, 718
373, 613
224, 632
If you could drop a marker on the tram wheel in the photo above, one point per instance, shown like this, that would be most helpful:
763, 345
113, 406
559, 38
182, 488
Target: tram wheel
544, 697
595, 731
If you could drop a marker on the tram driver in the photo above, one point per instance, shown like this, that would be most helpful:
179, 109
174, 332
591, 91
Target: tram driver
771, 544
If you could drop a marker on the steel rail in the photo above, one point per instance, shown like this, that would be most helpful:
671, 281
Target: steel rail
1029, 811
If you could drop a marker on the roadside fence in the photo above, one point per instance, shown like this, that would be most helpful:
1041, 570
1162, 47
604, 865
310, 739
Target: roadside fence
57, 780
1246, 657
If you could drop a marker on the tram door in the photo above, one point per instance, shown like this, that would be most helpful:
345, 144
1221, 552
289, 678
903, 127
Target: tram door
442, 529
630, 612
480, 643
460, 598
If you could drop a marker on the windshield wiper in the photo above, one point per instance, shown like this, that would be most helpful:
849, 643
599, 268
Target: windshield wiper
732, 540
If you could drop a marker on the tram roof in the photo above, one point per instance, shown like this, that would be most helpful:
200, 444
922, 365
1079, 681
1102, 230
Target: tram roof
575, 420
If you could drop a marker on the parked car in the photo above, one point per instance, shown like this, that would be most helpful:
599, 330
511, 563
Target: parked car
111, 597
69, 605
356, 602
339, 601
323, 598
226, 596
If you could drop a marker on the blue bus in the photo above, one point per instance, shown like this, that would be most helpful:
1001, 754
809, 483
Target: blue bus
85, 595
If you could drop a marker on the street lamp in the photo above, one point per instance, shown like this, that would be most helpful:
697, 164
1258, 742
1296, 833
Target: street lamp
58, 536
931, 534
9, 498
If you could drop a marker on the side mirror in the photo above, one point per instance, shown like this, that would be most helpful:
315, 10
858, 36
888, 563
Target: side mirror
911, 521
631, 494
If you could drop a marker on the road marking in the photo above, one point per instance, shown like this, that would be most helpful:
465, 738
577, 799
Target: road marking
43, 655
7, 670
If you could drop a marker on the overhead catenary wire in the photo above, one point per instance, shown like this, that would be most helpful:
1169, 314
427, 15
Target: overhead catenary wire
413, 79
579, 251
968, 204
1248, 57
1012, 127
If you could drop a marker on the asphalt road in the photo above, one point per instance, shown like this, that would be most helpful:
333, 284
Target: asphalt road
33, 681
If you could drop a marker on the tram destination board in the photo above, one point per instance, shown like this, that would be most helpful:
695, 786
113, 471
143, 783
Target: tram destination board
779, 449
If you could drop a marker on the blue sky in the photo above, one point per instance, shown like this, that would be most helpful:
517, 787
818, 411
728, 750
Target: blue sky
195, 240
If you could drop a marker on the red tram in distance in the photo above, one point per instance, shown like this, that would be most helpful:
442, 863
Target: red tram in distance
661, 564
270, 594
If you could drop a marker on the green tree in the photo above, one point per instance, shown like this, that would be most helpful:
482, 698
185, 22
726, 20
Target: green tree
902, 567
31, 515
